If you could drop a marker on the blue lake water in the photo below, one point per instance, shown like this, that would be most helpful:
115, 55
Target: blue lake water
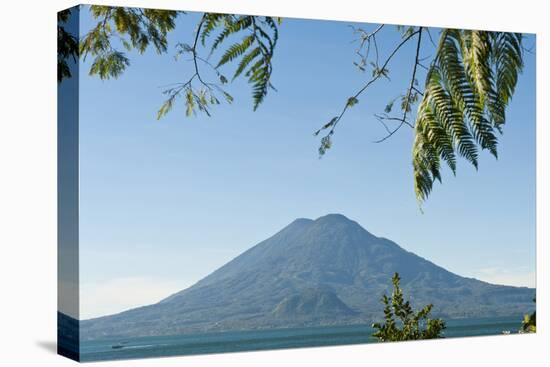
161, 346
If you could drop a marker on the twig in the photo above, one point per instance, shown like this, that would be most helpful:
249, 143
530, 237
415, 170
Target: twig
409, 91
369, 39
417, 91
195, 56
430, 37
390, 118
370, 82
381, 120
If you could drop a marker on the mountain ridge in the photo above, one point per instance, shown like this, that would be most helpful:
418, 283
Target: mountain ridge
328, 271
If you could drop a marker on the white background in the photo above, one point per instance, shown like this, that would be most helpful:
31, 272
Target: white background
28, 182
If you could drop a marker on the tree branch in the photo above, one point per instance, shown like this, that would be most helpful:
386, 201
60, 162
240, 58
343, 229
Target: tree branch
368, 38
337, 119
195, 56
407, 106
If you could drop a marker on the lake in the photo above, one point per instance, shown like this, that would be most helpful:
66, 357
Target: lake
222, 342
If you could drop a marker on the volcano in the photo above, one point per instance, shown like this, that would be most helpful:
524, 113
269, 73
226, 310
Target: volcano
328, 271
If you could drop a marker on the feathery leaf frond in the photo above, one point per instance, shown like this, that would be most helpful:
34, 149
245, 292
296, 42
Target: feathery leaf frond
468, 86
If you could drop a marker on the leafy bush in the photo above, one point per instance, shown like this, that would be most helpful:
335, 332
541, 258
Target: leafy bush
401, 322
529, 324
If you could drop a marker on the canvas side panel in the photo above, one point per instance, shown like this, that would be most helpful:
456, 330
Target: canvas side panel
67, 184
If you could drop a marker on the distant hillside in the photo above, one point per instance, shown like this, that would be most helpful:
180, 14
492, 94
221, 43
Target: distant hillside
327, 271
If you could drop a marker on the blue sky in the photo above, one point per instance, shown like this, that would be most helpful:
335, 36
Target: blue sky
164, 203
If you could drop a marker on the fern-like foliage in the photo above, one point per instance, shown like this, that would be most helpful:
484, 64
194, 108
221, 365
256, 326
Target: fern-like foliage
468, 86
254, 49
67, 46
135, 27
249, 44
461, 110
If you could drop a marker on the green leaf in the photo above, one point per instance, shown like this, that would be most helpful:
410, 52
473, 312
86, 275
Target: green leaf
389, 106
326, 144
236, 50
166, 107
189, 102
109, 65
352, 101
